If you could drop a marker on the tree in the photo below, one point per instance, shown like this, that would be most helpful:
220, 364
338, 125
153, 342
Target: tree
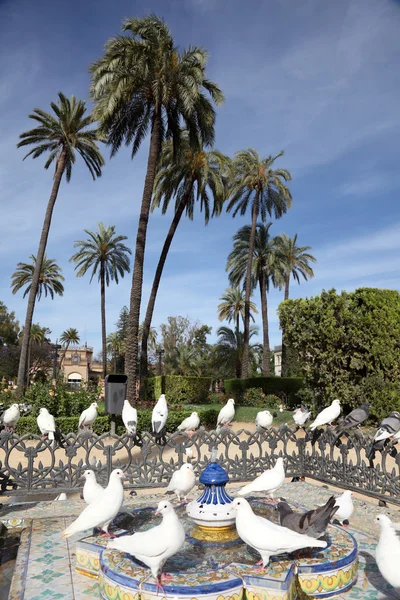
348, 346
62, 136
232, 306
69, 336
230, 346
115, 348
122, 323
186, 351
50, 278
144, 84
292, 260
192, 175
9, 326
263, 270
257, 185
37, 337
104, 254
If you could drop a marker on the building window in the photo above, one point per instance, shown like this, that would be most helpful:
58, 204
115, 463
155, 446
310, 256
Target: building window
74, 381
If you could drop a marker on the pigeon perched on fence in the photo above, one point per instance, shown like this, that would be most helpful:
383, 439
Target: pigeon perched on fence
226, 415
301, 415
182, 481
101, 511
91, 489
159, 418
345, 506
190, 424
47, 426
269, 482
388, 551
326, 416
266, 537
264, 419
388, 428
154, 546
129, 418
354, 418
88, 416
312, 523
11, 417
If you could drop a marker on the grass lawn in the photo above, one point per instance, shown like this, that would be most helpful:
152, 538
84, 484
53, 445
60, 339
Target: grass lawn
248, 414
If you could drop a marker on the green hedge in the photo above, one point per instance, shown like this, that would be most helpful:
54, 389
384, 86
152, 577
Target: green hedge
208, 419
178, 389
289, 386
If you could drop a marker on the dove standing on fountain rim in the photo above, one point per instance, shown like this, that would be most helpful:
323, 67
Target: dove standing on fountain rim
301, 415
388, 428
264, 419
354, 418
182, 481
266, 537
388, 551
91, 489
47, 426
312, 523
226, 414
11, 417
129, 418
154, 546
326, 416
346, 507
88, 416
190, 424
269, 482
159, 417
101, 511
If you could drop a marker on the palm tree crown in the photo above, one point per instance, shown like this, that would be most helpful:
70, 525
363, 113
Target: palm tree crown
50, 279
293, 260
233, 305
68, 337
230, 346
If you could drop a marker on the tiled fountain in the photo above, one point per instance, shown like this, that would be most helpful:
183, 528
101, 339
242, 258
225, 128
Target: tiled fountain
214, 564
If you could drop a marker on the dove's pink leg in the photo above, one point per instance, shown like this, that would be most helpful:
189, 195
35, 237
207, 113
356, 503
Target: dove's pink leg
166, 576
190, 433
108, 534
159, 587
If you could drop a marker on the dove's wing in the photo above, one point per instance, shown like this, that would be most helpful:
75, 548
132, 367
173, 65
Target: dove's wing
150, 543
46, 422
83, 417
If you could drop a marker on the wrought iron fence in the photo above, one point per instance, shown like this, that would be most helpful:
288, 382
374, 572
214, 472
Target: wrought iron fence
39, 466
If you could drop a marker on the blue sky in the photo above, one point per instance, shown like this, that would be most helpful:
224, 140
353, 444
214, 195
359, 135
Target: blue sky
319, 80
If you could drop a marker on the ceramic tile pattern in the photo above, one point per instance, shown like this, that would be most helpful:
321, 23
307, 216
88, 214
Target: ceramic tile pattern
45, 566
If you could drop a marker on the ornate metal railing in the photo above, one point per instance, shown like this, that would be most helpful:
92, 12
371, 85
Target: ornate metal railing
38, 466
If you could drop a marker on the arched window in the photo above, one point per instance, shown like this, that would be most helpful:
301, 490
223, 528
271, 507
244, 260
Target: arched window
74, 380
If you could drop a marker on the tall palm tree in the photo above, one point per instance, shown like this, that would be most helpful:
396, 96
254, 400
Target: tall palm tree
257, 184
232, 306
69, 336
115, 347
192, 175
62, 136
264, 268
230, 346
50, 278
104, 254
37, 337
144, 84
293, 260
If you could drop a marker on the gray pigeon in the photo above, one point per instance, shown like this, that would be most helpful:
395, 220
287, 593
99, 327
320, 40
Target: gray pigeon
312, 523
387, 429
354, 418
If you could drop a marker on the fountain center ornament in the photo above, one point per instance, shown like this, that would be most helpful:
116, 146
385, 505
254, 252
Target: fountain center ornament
211, 512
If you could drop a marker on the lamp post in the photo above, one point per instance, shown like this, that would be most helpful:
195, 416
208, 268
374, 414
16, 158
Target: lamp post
160, 353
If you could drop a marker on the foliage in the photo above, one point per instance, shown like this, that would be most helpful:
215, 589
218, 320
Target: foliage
230, 347
69, 336
256, 397
348, 346
292, 260
286, 388
186, 351
50, 278
178, 389
232, 305
9, 326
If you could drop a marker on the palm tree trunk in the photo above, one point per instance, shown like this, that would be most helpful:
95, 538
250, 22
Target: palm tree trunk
237, 323
115, 362
28, 363
246, 333
284, 353
156, 282
36, 274
64, 354
131, 355
264, 315
103, 319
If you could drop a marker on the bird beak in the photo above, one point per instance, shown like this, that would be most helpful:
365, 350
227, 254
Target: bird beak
157, 512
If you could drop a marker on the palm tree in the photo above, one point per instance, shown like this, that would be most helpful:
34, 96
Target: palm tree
103, 253
69, 336
232, 306
263, 269
37, 336
256, 184
50, 278
62, 136
293, 260
230, 346
142, 85
115, 347
190, 176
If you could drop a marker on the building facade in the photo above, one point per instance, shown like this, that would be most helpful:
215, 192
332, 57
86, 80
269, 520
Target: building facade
78, 366
278, 360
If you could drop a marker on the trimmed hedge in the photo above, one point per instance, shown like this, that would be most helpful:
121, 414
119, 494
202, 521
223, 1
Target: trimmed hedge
178, 388
208, 419
289, 386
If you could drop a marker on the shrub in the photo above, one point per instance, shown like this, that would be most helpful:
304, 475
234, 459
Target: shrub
178, 389
253, 397
272, 401
286, 388
217, 398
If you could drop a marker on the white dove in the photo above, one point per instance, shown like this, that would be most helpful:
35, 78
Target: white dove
47, 426
327, 415
388, 551
129, 418
101, 511
190, 424
226, 414
346, 506
154, 546
189, 452
182, 481
11, 417
159, 416
266, 537
270, 481
264, 419
91, 489
301, 415
88, 416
